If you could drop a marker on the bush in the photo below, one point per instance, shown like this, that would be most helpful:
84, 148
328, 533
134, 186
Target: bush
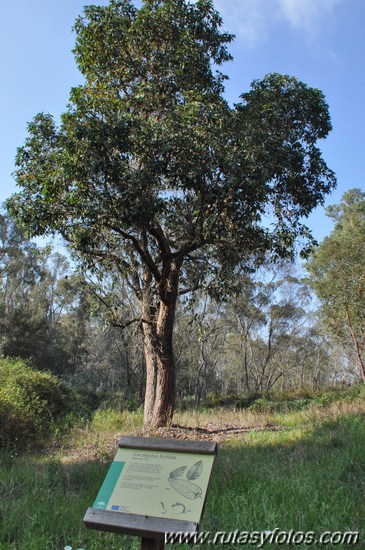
266, 405
238, 401
285, 401
31, 404
300, 399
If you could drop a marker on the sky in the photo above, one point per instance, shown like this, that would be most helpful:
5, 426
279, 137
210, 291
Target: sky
321, 42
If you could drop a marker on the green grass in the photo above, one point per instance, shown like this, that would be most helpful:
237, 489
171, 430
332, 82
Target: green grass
306, 480
309, 476
43, 503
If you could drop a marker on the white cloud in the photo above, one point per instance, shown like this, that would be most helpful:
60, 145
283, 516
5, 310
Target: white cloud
246, 18
307, 15
250, 20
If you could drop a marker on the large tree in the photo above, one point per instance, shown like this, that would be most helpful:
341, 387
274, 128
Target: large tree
153, 176
337, 274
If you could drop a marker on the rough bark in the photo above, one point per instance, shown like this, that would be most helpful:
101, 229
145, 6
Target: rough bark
158, 348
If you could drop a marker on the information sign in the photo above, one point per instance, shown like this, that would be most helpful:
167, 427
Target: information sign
154, 485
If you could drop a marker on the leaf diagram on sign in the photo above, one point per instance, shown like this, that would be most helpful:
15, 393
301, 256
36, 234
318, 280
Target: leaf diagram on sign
186, 487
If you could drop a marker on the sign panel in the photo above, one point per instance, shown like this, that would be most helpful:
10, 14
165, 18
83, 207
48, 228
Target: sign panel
159, 483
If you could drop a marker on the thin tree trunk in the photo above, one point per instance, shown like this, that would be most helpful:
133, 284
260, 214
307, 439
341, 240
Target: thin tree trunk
198, 389
358, 349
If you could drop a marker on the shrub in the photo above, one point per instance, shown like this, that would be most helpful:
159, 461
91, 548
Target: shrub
300, 399
31, 404
266, 405
238, 401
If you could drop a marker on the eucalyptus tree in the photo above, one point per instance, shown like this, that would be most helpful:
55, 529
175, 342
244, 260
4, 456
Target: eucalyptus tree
269, 322
337, 274
153, 176
22, 328
199, 345
18, 256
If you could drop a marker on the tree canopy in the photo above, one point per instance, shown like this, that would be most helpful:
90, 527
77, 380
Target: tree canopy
337, 270
153, 176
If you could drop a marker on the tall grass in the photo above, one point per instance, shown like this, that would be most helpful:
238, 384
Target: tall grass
303, 479
43, 502
308, 476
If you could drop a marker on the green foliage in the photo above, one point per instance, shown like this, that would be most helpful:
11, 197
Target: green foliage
32, 403
22, 317
337, 274
150, 160
42, 306
299, 400
118, 401
155, 181
56, 497
303, 479
266, 405
239, 401
285, 401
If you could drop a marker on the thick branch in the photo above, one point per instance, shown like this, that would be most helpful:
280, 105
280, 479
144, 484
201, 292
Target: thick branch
143, 253
189, 290
128, 323
157, 232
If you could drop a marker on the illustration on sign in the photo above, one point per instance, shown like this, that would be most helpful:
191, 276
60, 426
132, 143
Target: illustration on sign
156, 483
186, 487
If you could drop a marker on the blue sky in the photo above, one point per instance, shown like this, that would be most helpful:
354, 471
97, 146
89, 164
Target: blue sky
319, 41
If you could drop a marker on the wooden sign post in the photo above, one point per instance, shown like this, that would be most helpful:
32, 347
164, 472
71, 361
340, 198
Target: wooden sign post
154, 486
152, 544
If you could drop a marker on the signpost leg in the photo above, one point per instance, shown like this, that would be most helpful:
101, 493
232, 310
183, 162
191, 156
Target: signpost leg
152, 544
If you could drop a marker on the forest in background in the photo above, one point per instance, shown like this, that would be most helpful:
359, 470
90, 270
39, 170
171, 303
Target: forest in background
183, 215
287, 328
267, 353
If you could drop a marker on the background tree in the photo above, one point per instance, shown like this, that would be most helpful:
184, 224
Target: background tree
42, 313
270, 340
337, 274
154, 177
200, 335
22, 324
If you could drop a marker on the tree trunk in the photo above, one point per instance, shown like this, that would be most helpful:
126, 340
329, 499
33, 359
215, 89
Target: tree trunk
158, 350
358, 348
198, 388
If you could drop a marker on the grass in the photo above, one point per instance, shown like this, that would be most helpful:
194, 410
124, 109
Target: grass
307, 476
301, 481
